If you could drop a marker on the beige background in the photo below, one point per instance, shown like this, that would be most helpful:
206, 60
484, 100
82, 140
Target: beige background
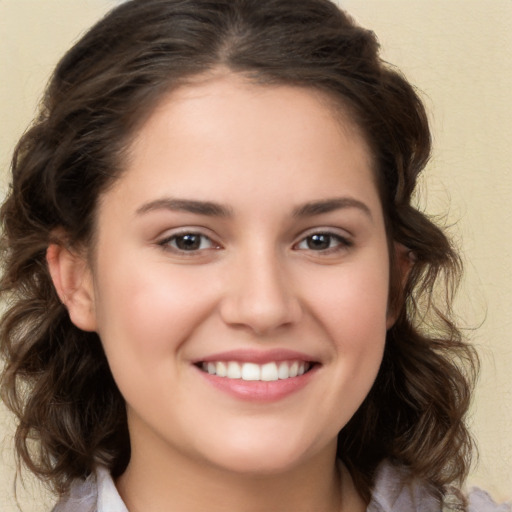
458, 52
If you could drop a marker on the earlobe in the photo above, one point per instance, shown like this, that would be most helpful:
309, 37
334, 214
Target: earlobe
403, 263
405, 259
72, 279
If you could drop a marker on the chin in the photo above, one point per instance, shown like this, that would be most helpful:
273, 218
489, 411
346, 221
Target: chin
257, 457
256, 465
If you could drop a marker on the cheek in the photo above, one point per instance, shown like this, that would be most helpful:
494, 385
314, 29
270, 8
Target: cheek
152, 312
353, 303
352, 307
143, 323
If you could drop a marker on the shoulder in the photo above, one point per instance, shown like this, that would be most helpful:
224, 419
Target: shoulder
480, 501
82, 496
396, 491
97, 493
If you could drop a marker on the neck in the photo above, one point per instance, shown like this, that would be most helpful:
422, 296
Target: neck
159, 481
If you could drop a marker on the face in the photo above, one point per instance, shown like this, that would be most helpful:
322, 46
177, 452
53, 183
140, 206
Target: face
240, 277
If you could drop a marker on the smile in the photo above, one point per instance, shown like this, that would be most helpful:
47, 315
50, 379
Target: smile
250, 371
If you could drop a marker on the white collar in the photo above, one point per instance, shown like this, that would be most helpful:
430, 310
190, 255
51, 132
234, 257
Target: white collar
393, 492
109, 499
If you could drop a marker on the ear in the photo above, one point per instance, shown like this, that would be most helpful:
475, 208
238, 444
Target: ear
73, 282
403, 261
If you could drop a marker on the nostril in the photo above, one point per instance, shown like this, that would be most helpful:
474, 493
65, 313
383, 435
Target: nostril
260, 315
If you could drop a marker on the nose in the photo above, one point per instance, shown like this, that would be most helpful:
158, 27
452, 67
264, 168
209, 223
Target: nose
260, 295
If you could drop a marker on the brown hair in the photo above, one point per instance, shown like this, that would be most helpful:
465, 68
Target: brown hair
56, 377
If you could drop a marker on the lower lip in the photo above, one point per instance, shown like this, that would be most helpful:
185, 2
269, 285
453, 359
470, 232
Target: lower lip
259, 391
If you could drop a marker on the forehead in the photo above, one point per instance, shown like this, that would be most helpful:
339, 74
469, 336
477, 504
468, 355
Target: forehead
222, 135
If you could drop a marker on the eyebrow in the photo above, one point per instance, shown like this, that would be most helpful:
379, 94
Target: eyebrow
212, 209
329, 205
207, 208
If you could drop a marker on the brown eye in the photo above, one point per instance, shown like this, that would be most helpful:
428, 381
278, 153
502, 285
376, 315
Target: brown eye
188, 242
323, 242
319, 242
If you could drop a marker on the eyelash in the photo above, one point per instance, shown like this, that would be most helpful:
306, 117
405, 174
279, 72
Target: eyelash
167, 242
170, 243
341, 242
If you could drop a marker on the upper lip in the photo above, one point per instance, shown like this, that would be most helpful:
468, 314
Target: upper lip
257, 356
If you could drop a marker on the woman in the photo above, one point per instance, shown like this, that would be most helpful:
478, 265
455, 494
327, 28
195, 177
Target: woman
220, 291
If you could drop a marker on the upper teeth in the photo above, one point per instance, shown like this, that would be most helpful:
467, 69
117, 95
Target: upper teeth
252, 371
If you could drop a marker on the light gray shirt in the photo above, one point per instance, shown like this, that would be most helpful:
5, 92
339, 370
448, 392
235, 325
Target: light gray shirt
393, 492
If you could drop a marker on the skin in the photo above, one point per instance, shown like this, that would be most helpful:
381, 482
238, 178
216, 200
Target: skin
255, 282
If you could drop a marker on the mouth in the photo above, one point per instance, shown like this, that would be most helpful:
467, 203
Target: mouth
251, 371
258, 376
